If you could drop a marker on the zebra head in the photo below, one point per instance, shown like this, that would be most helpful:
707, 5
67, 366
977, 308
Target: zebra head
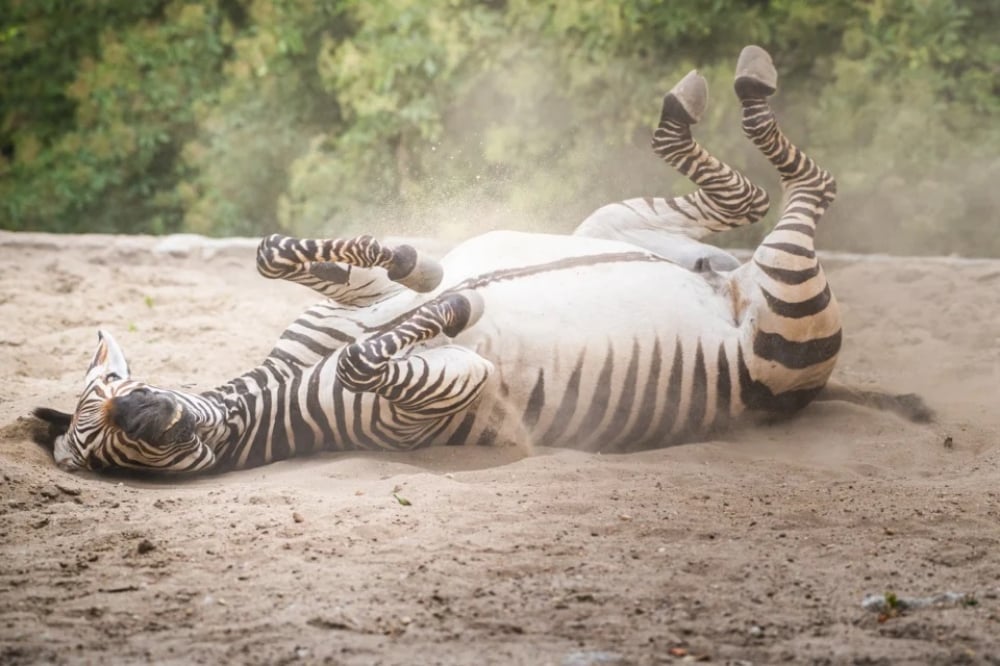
123, 424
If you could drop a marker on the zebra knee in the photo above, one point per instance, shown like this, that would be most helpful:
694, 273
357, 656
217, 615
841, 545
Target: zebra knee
270, 263
757, 203
811, 186
360, 368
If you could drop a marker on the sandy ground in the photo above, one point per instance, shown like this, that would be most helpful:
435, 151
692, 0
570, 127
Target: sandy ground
757, 547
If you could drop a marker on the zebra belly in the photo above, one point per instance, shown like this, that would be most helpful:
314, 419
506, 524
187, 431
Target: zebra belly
606, 355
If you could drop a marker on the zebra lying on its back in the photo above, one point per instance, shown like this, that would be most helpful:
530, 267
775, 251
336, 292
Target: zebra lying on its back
628, 334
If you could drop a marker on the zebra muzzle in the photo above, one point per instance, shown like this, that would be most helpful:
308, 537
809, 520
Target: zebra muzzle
151, 416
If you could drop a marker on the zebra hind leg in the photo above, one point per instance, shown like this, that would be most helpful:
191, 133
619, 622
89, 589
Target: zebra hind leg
796, 321
672, 227
726, 198
353, 271
429, 383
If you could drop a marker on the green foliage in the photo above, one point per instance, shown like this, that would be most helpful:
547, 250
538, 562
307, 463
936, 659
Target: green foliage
450, 117
113, 168
396, 80
266, 111
918, 88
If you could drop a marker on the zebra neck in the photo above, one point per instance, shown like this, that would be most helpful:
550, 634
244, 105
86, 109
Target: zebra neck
210, 412
254, 428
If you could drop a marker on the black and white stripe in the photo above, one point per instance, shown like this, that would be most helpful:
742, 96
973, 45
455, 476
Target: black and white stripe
584, 342
798, 334
726, 199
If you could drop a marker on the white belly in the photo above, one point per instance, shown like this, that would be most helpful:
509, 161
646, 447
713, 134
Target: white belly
598, 310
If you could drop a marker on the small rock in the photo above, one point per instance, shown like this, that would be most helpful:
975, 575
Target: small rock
592, 658
330, 623
297, 517
40, 524
756, 631
145, 546
177, 245
72, 492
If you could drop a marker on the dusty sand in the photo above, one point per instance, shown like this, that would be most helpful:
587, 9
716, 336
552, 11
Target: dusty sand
756, 547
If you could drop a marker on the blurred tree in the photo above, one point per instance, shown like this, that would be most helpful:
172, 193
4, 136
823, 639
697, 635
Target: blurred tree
113, 168
396, 79
453, 116
909, 125
270, 104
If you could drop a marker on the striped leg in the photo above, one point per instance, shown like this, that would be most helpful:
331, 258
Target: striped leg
726, 199
798, 331
355, 271
432, 383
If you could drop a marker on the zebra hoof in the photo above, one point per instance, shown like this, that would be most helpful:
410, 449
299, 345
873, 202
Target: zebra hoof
686, 101
465, 308
756, 76
413, 271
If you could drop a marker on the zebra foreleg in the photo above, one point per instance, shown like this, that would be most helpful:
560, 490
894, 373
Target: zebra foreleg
672, 227
354, 271
428, 384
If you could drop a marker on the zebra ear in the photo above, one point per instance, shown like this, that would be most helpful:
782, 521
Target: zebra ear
51, 425
108, 359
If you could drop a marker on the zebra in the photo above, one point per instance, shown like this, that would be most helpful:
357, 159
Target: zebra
627, 334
